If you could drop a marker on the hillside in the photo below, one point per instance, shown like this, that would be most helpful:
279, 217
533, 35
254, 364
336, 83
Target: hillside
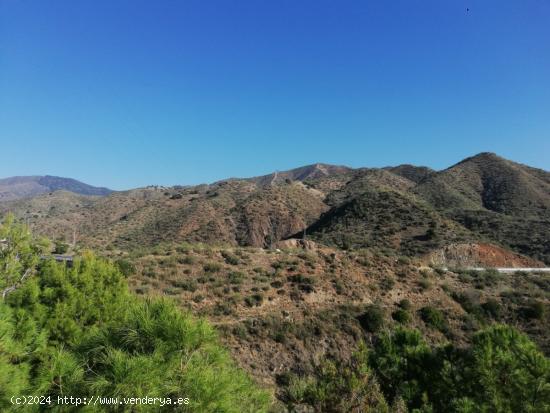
281, 312
404, 210
18, 187
505, 202
304, 173
298, 268
295, 320
413, 173
487, 181
388, 221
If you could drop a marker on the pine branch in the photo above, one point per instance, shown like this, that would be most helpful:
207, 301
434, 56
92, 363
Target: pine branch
17, 284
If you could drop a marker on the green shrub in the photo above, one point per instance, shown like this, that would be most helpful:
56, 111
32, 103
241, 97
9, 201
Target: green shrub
492, 308
149, 272
60, 247
254, 300
337, 387
171, 291
78, 331
187, 260
304, 283
404, 260
277, 265
401, 316
434, 318
125, 267
424, 284
338, 286
230, 258
502, 371
372, 320
533, 310
187, 285
387, 283
198, 298
212, 267
469, 301
487, 278
235, 277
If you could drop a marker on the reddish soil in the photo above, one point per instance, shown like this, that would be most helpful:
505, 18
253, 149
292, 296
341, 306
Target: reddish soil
480, 255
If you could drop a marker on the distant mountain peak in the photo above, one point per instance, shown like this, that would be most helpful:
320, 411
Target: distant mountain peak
18, 187
411, 172
482, 157
303, 173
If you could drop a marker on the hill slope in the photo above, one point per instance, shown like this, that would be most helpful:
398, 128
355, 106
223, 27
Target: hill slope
404, 210
487, 181
504, 201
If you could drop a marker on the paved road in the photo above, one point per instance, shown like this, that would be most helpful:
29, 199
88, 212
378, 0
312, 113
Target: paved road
511, 269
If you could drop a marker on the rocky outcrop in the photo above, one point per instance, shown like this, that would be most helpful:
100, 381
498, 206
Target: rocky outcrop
479, 255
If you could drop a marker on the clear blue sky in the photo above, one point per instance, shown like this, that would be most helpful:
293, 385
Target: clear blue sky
125, 93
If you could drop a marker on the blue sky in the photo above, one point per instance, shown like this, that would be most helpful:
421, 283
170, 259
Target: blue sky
126, 93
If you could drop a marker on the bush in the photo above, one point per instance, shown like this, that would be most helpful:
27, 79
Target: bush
387, 283
469, 301
254, 300
502, 371
126, 267
187, 285
534, 310
235, 277
404, 260
230, 258
150, 272
188, 260
304, 283
338, 286
337, 387
301, 279
434, 318
487, 278
401, 316
424, 284
492, 308
212, 267
60, 247
372, 320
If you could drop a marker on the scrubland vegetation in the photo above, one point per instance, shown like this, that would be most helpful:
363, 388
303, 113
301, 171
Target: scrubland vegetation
78, 330
320, 289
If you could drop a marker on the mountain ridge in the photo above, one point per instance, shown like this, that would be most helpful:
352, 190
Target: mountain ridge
403, 210
18, 187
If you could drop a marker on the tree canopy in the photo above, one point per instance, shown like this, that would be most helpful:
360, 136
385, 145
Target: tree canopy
77, 331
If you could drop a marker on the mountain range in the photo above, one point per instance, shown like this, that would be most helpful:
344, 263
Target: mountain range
18, 187
301, 266
404, 210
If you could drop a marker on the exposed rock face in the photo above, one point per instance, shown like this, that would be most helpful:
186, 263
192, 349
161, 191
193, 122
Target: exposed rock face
480, 255
297, 243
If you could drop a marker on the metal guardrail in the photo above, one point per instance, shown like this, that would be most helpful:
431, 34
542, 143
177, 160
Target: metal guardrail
67, 259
